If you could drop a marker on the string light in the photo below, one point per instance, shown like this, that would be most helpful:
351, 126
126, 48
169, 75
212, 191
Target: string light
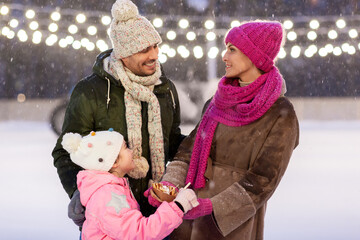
312, 35
22, 35
209, 24
323, 52
5, 31
37, 36
106, 20
69, 39
53, 27
183, 23
76, 44
351, 50
341, 23
282, 53
295, 51
353, 33
30, 14
164, 48
73, 29
213, 52
10, 35
314, 24
162, 58
171, 52
209, 32
157, 22
14, 23
92, 30
191, 36
4, 10
55, 16
292, 36
337, 51
80, 18
171, 35
332, 34
51, 40
63, 43
288, 24
198, 52
329, 48
235, 23
34, 25
210, 36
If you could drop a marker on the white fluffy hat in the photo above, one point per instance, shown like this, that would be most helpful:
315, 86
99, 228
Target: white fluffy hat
96, 151
130, 33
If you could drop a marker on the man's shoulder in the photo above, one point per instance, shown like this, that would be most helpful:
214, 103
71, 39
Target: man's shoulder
166, 82
89, 85
90, 81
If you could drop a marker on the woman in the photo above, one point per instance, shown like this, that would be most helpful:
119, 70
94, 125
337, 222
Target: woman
237, 155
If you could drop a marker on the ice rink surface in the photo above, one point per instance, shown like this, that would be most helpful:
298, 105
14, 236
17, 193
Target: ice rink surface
318, 198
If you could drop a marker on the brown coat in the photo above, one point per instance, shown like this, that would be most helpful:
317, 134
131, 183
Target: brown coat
244, 168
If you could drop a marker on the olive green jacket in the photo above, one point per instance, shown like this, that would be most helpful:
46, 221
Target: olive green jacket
89, 110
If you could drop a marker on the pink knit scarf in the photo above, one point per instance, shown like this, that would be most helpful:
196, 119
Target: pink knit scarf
233, 106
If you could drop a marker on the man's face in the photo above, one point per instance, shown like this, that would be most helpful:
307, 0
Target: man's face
143, 63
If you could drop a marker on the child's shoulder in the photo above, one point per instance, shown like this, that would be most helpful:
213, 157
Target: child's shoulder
114, 197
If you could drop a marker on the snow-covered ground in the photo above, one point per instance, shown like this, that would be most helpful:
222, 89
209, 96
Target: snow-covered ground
318, 198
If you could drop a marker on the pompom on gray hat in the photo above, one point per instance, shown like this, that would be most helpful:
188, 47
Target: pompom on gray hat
96, 151
130, 32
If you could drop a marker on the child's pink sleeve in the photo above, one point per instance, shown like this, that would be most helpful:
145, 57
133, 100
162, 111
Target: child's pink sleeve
131, 224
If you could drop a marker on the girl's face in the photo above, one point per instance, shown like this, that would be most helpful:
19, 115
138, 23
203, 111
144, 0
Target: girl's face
237, 64
125, 159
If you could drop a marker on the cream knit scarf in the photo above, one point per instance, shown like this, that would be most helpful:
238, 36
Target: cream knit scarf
140, 89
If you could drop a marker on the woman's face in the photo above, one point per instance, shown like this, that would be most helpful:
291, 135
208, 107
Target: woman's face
237, 64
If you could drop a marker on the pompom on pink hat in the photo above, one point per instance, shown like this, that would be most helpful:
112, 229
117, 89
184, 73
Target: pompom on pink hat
260, 41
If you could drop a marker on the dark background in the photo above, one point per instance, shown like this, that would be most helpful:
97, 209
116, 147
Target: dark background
41, 71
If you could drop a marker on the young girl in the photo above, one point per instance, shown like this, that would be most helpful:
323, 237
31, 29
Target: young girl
111, 209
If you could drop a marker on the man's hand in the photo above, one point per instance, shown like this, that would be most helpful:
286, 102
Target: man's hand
76, 211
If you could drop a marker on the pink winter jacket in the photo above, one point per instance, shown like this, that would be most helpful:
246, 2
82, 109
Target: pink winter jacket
113, 213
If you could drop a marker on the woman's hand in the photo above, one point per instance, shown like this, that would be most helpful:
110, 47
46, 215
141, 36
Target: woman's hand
204, 208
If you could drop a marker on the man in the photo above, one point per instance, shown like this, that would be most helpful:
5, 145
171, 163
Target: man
126, 92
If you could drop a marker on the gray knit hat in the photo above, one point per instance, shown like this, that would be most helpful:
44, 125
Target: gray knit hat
130, 33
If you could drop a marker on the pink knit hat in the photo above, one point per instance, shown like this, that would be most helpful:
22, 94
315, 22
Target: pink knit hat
260, 41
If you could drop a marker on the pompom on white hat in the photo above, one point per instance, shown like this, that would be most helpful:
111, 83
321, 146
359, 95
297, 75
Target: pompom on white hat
130, 32
96, 151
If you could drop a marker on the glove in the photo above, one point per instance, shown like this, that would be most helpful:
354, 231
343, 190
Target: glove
204, 208
152, 201
187, 199
76, 211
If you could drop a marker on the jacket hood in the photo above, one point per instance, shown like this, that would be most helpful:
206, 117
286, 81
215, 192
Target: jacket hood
98, 69
89, 181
